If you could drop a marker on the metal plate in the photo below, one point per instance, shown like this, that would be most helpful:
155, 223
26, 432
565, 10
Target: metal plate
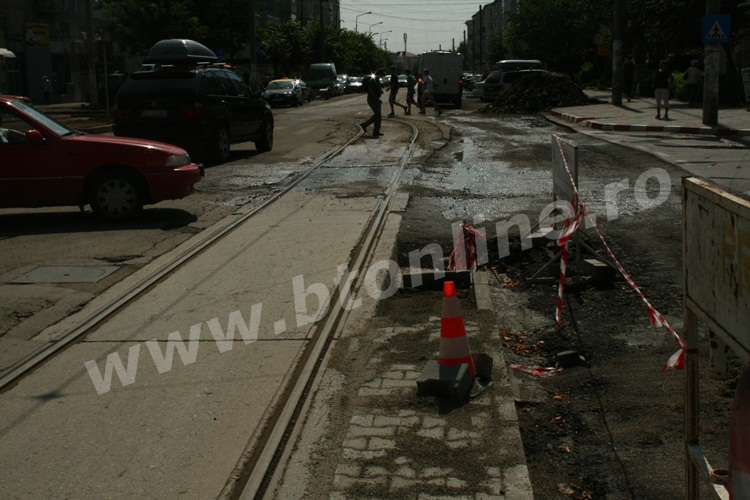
65, 274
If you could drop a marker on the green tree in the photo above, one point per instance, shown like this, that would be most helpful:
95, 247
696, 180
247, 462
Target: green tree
559, 32
289, 47
496, 50
138, 25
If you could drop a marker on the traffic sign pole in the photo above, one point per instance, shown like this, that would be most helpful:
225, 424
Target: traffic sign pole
712, 66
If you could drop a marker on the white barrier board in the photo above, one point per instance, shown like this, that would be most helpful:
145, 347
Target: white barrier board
561, 183
717, 260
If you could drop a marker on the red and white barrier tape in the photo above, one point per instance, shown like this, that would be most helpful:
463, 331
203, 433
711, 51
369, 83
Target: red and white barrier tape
567, 231
677, 360
467, 236
537, 371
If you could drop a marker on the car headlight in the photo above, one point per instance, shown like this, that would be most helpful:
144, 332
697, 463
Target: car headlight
178, 160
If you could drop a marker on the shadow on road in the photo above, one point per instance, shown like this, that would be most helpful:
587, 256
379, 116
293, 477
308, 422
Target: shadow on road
65, 222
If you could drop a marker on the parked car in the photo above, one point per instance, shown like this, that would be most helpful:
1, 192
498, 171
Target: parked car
516, 64
355, 84
340, 84
45, 164
186, 99
284, 91
402, 81
501, 82
307, 93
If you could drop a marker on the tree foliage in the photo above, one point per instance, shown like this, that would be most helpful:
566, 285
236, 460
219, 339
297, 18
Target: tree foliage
224, 25
138, 25
291, 48
559, 32
566, 33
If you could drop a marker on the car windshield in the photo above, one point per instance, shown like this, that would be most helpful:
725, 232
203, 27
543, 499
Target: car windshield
319, 74
45, 120
354, 79
280, 85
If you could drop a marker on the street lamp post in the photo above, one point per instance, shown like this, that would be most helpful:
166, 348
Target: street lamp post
357, 18
375, 24
381, 36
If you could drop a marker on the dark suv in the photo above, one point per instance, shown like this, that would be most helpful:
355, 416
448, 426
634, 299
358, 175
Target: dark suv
186, 98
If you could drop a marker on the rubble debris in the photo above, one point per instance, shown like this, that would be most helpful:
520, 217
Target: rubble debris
540, 92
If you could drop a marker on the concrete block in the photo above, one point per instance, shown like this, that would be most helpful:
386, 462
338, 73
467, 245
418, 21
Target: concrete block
598, 270
450, 382
483, 364
482, 293
427, 280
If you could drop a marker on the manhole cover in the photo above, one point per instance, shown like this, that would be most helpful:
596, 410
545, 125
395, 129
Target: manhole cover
64, 274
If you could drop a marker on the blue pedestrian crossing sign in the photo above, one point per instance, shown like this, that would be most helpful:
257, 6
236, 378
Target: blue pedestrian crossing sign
716, 29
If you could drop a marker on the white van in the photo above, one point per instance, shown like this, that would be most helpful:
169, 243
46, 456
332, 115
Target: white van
446, 69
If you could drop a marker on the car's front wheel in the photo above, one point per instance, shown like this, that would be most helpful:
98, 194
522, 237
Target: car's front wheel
116, 197
219, 144
265, 140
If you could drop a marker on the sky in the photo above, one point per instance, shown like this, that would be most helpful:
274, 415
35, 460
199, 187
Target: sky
428, 24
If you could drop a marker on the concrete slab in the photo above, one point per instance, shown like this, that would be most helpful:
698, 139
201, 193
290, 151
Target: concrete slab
66, 274
155, 438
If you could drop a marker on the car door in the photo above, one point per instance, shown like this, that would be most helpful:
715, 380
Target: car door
253, 108
31, 173
231, 105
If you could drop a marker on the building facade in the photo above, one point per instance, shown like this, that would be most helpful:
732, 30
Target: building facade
50, 38
488, 25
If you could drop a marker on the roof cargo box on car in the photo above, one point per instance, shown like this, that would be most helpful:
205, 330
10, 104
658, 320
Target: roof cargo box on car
179, 50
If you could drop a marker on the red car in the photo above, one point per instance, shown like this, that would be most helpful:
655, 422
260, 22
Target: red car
45, 164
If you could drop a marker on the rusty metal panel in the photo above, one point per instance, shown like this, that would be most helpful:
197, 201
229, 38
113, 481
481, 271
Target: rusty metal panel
717, 259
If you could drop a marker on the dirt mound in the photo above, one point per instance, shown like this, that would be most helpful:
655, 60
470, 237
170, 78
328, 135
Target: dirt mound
540, 92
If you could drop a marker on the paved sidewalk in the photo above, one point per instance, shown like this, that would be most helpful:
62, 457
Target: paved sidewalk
639, 115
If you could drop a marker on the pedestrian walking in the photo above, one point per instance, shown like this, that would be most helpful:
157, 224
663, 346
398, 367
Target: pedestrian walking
374, 91
420, 90
411, 83
47, 90
693, 80
428, 96
628, 75
393, 88
661, 89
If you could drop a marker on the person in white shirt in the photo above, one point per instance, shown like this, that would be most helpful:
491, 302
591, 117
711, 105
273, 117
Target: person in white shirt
427, 95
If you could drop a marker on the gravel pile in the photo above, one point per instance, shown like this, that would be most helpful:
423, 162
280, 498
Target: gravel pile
540, 92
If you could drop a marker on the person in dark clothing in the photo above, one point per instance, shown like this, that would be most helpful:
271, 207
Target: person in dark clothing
661, 90
393, 88
628, 74
374, 91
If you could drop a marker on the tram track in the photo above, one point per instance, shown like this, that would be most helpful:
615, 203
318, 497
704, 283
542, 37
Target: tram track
92, 320
277, 418
256, 470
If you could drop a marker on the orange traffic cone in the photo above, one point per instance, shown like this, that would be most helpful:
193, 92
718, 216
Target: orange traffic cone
454, 346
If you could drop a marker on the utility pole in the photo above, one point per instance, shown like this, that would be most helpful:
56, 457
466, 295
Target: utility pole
253, 50
322, 34
93, 94
617, 30
712, 67
474, 45
481, 30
